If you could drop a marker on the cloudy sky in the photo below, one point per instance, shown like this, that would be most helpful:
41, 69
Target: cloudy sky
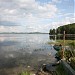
35, 15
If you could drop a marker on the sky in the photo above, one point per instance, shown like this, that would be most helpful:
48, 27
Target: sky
35, 15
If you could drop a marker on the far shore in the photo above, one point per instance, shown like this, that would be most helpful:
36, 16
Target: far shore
24, 33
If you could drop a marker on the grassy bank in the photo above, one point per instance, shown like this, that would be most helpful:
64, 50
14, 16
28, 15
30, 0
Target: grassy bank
25, 73
68, 54
67, 42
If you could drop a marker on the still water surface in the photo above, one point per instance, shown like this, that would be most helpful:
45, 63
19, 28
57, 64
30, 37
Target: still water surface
25, 49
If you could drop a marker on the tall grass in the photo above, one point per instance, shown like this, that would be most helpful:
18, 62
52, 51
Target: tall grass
25, 73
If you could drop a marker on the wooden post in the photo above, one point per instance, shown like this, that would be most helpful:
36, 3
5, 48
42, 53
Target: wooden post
55, 35
63, 46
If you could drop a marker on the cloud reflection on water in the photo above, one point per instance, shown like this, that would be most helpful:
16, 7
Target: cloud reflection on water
24, 49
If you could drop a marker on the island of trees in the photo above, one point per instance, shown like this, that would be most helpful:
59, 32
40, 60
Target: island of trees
69, 29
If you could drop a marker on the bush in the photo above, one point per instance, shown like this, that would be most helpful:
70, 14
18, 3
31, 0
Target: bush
67, 54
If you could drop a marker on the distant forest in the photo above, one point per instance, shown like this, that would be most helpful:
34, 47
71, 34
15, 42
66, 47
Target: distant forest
69, 29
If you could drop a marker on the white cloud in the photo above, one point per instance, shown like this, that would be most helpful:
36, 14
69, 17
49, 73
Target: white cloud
8, 11
16, 10
65, 21
11, 29
27, 6
33, 7
47, 11
28, 14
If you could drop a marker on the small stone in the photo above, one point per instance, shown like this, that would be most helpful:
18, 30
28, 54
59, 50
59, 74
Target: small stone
28, 66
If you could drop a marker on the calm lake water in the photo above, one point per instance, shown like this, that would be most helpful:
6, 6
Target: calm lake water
25, 49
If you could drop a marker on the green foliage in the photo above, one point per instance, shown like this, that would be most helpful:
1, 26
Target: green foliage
70, 54
25, 73
69, 29
67, 42
72, 45
67, 54
52, 32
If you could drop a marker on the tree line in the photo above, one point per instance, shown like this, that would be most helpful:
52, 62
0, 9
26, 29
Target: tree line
69, 29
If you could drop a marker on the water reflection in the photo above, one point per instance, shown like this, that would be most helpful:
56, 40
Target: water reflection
25, 49
60, 37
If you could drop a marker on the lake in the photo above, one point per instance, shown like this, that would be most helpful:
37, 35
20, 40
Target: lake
25, 50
